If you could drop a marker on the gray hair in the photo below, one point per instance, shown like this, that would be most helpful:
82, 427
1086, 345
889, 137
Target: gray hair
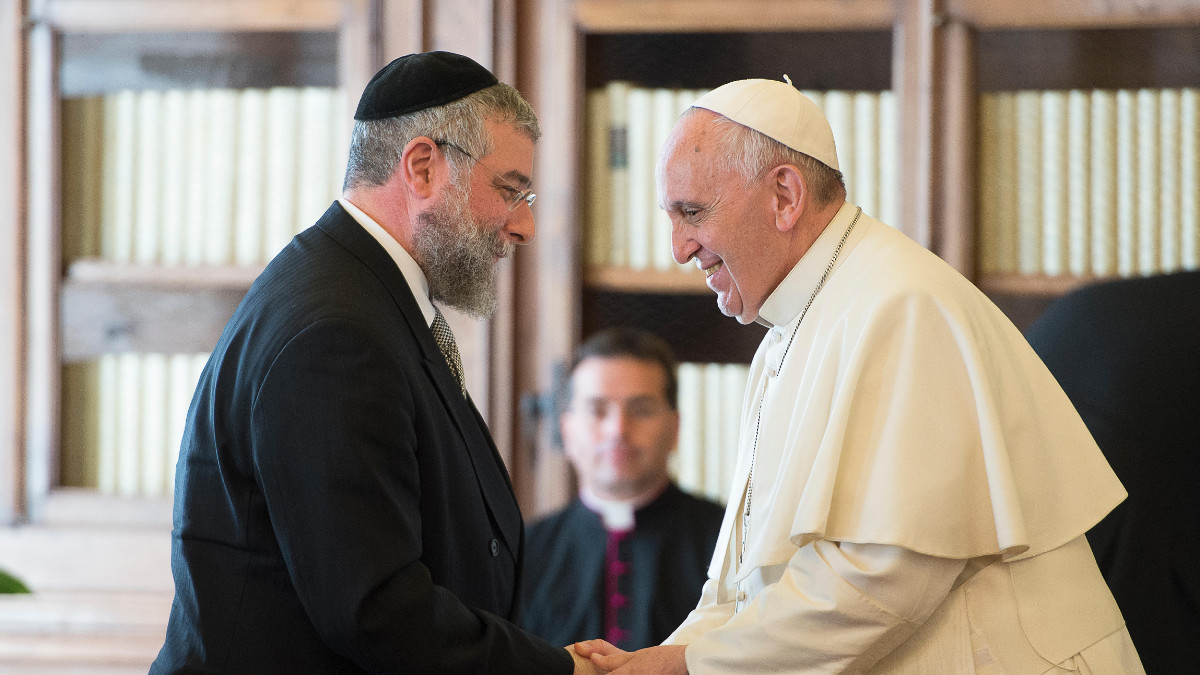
751, 154
377, 145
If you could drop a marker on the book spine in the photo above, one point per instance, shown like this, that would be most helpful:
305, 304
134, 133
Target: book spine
250, 216
599, 199
174, 180
618, 169
1189, 178
641, 177
1169, 189
665, 107
1055, 184
1103, 194
1147, 181
1029, 182
1078, 177
1127, 182
866, 150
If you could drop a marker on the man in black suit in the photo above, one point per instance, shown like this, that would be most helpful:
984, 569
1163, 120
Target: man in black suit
1127, 353
340, 506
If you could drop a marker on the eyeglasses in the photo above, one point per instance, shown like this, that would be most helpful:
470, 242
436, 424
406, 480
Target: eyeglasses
513, 196
638, 409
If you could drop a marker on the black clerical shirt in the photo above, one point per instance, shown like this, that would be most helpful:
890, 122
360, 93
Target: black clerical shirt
664, 565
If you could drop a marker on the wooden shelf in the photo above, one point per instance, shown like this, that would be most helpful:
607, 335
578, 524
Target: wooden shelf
69, 507
1015, 14
719, 16
94, 271
1034, 284
688, 281
132, 16
108, 307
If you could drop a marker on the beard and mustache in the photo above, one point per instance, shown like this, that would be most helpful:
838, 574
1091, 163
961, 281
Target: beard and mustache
458, 253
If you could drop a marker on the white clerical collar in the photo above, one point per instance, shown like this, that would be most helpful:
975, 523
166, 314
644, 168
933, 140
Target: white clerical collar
787, 300
617, 515
408, 267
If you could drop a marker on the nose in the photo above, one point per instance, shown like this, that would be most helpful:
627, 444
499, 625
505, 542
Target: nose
682, 247
616, 422
519, 227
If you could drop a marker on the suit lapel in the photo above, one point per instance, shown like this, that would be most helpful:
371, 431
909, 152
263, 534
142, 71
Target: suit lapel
490, 473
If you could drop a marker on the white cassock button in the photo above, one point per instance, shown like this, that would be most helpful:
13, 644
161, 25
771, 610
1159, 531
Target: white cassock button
741, 596
771, 372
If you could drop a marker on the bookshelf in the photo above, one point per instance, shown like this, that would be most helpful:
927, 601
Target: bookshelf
937, 56
64, 306
1079, 49
581, 46
93, 307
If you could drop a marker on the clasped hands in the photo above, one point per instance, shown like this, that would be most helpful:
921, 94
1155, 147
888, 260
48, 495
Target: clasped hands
597, 657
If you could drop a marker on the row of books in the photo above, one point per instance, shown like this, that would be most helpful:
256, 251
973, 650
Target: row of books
710, 407
201, 176
123, 419
1102, 182
628, 125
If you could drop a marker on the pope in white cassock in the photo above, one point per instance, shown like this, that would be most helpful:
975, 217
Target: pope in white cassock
912, 486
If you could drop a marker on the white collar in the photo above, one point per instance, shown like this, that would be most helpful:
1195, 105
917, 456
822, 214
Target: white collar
404, 260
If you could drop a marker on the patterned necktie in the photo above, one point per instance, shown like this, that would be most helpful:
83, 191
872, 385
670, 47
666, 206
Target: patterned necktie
445, 342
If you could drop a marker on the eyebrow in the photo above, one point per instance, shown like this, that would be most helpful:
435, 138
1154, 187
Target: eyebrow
680, 204
518, 178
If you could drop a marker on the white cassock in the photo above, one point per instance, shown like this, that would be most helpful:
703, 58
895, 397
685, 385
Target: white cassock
921, 487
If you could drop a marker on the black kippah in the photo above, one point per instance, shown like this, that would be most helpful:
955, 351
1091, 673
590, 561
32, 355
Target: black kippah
418, 81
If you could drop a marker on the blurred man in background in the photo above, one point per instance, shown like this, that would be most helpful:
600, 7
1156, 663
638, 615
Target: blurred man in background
625, 560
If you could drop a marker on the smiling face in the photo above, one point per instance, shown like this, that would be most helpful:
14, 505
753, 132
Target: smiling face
726, 226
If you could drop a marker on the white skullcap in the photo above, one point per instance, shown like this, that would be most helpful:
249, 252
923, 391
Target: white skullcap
778, 110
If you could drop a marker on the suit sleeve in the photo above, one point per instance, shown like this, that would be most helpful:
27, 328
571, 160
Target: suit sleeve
335, 455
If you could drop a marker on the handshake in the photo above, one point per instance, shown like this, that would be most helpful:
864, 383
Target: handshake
596, 657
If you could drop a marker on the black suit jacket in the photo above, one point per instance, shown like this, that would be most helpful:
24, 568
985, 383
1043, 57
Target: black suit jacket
563, 598
1128, 355
339, 505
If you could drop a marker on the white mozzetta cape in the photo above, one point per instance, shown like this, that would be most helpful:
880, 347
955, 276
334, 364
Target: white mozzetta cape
908, 411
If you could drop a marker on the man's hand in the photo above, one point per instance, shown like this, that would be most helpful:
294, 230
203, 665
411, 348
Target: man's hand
583, 666
651, 661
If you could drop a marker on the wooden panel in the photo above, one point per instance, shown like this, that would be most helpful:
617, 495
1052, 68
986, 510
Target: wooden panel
1033, 284
100, 318
1128, 58
400, 29
42, 267
954, 238
89, 558
914, 62
548, 271
662, 16
617, 279
124, 16
356, 53
991, 14
82, 632
704, 60
72, 507
12, 263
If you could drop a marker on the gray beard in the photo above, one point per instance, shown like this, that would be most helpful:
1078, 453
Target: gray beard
457, 254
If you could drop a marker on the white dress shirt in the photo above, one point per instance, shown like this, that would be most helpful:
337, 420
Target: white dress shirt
408, 267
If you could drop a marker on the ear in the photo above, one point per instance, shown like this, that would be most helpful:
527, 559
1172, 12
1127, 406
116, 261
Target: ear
674, 432
423, 168
789, 195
